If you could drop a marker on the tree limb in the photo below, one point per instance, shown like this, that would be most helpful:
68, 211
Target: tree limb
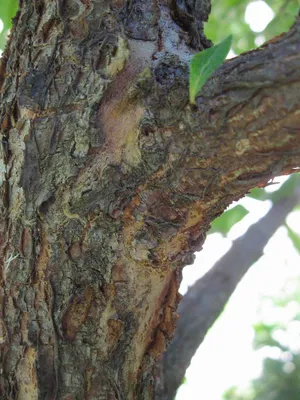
206, 299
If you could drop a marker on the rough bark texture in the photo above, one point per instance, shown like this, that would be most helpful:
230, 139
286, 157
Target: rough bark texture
109, 181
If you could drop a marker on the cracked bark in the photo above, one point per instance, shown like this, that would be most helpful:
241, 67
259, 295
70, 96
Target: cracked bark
109, 181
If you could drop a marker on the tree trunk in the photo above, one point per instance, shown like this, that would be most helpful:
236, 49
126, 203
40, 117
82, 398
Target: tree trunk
110, 179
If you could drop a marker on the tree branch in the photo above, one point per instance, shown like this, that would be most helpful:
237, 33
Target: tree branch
206, 299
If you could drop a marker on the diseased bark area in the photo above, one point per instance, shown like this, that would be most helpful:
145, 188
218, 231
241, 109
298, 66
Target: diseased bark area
112, 180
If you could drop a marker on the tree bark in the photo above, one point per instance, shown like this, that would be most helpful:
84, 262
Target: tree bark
110, 179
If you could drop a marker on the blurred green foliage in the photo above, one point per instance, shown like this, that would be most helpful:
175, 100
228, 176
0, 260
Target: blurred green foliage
279, 379
286, 189
228, 17
285, 14
225, 222
229, 218
8, 9
295, 238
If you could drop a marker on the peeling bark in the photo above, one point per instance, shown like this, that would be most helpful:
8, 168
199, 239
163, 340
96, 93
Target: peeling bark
110, 179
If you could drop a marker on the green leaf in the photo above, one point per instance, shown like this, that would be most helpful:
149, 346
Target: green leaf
258, 194
8, 10
2, 40
203, 64
264, 335
294, 237
286, 189
225, 222
184, 381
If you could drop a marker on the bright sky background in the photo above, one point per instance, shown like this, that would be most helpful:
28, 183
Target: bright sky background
226, 356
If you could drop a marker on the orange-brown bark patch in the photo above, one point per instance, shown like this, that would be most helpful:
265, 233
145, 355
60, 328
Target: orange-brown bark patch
26, 243
158, 345
115, 330
76, 313
26, 376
